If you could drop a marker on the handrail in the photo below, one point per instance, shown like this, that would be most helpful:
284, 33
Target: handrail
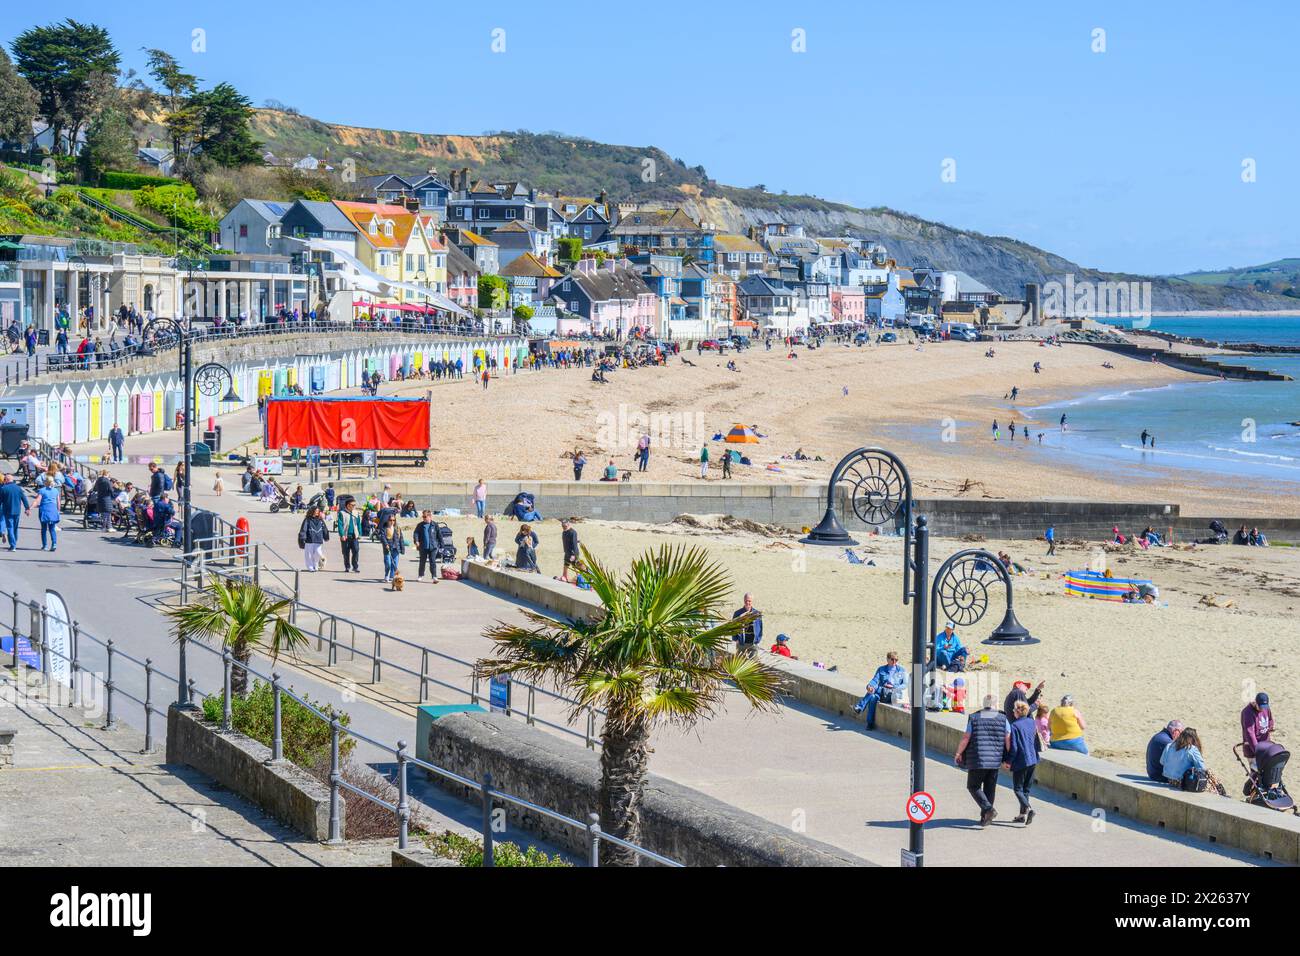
272, 325
401, 809
250, 570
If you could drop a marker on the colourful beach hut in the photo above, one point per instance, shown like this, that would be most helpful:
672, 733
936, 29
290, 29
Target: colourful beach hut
742, 435
1093, 584
40, 419
122, 407
96, 412
81, 415
159, 402
67, 415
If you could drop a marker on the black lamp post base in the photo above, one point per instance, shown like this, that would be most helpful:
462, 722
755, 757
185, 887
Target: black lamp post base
829, 532
1011, 632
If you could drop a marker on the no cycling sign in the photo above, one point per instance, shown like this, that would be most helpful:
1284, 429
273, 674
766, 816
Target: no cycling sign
920, 807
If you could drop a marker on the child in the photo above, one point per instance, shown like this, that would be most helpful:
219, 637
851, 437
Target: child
471, 549
218, 486
1042, 723
296, 502
329, 495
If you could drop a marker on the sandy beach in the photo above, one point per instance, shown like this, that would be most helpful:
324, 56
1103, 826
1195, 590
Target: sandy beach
825, 402
1131, 668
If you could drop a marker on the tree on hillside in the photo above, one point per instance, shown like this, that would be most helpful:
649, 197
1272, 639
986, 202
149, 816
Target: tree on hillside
659, 653
493, 292
177, 88
17, 103
223, 133
73, 69
110, 145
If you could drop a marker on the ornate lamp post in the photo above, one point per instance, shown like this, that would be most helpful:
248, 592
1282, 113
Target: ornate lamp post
209, 379
880, 493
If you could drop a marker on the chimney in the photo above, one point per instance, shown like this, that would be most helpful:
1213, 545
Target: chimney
464, 178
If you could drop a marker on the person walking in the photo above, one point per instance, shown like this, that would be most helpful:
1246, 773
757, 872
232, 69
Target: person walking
1051, 539
480, 498
704, 461
489, 537
726, 463
103, 493
348, 526
987, 738
426, 544
1067, 727
393, 545
115, 442
1022, 759
47, 511
643, 453
579, 462
13, 503
312, 535
572, 552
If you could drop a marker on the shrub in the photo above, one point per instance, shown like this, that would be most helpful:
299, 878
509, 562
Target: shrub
468, 851
119, 180
178, 202
306, 737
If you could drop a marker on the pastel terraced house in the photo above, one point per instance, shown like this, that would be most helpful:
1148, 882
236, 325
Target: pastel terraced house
394, 244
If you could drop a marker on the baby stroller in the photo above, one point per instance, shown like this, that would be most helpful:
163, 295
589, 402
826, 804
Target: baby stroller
444, 543
1264, 787
1220, 533
280, 501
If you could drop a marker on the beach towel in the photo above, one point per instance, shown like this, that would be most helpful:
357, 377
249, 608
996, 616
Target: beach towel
1090, 584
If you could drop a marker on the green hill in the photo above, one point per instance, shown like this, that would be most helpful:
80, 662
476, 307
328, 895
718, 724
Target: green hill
1281, 277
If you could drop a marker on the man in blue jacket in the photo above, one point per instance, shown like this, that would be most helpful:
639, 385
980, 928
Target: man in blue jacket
13, 504
115, 441
949, 655
1156, 749
888, 683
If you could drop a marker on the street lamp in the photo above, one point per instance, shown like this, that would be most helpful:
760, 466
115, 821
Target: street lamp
880, 492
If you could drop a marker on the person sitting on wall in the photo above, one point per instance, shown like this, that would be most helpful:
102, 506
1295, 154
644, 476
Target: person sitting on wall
949, 654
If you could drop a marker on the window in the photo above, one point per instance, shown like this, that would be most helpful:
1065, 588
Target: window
590, 213
586, 232
243, 232
374, 228
410, 262
466, 212
512, 213
388, 228
484, 213
421, 263
733, 256
573, 305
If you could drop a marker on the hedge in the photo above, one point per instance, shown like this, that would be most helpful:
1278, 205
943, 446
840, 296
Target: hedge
114, 180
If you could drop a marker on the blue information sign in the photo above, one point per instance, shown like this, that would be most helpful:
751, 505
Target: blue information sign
499, 695
25, 652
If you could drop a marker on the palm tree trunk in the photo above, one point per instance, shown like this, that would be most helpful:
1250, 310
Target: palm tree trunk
623, 768
238, 675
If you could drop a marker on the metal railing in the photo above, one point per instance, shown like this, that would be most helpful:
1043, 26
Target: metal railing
489, 795
200, 334
223, 556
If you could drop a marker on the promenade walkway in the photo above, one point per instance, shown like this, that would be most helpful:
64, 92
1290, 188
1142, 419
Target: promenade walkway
821, 775
78, 795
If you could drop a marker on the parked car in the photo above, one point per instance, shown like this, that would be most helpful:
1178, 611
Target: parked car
710, 344
887, 337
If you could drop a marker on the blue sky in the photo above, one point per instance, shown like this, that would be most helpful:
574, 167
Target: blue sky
1127, 159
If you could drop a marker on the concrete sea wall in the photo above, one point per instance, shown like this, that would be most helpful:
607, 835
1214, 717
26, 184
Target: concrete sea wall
1092, 782
801, 506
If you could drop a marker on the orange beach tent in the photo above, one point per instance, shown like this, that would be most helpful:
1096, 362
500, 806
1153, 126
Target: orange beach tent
742, 434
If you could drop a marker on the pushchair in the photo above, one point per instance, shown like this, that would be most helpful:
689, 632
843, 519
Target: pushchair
280, 498
445, 544
523, 507
1264, 787
1220, 533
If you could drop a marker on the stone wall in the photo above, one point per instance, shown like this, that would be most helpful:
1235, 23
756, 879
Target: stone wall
676, 822
1094, 782
288, 793
801, 506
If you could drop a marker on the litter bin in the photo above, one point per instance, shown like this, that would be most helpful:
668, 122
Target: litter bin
212, 438
11, 436
201, 455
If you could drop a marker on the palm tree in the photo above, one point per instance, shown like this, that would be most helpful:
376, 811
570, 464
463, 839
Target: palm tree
240, 615
659, 654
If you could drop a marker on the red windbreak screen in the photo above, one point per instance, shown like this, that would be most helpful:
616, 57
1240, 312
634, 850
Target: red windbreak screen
354, 424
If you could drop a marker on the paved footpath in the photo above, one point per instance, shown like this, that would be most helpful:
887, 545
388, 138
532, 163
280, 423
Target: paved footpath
816, 773
82, 796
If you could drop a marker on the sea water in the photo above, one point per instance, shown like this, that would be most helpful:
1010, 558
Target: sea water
1229, 428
